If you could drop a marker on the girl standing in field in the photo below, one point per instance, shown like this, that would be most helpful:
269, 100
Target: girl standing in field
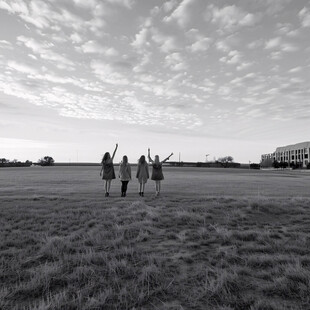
124, 174
142, 174
107, 170
157, 173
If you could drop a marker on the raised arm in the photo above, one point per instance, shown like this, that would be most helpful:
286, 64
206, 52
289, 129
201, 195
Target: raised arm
149, 155
167, 158
115, 151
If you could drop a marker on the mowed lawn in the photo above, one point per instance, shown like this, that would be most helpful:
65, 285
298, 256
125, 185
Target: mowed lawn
215, 239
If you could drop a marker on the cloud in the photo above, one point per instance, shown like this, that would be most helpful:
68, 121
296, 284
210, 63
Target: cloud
107, 73
201, 45
43, 49
176, 62
233, 57
222, 46
23, 68
289, 47
255, 44
90, 4
167, 44
6, 45
244, 65
76, 37
141, 39
274, 6
304, 16
93, 47
126, 3
29, 13
182, 14
295, 70
230, 17
273, 43
169, 5
143, 62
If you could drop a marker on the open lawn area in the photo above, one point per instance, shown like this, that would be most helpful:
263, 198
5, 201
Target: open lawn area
215, 239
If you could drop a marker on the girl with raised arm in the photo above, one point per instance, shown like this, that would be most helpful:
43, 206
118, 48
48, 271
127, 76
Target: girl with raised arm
107, 170
124, 174
157, 173
142, 174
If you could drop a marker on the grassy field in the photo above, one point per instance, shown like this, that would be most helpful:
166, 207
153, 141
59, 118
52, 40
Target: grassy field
215, 239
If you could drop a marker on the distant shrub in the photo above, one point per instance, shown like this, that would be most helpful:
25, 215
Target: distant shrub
254, 166
308, 166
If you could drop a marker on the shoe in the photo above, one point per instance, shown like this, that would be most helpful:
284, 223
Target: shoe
139, 193
142, 194
124, 195
106, 195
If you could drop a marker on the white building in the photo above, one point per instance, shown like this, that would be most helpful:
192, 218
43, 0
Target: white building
297, 154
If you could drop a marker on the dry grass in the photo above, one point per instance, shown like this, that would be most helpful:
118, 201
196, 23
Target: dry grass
71, 248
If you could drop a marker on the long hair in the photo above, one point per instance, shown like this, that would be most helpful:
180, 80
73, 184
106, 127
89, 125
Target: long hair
125, 160
105, 157
142, 159
156, 159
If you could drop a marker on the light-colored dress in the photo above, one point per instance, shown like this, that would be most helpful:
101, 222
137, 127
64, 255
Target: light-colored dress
157, 173
108, 170
143, 172
124, 172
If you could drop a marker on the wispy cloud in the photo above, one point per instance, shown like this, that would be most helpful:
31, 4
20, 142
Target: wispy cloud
304, 16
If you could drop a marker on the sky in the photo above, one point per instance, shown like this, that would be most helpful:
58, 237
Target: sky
192, 77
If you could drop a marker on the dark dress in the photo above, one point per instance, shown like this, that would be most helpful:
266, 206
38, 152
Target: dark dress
157, 173
108, 171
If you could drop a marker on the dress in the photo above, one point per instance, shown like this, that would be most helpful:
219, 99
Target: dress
108, 171
157, 173
142, 172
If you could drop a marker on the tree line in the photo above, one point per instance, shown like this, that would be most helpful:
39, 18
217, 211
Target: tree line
44, 161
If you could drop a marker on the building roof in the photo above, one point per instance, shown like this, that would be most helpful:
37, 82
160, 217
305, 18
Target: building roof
291, 147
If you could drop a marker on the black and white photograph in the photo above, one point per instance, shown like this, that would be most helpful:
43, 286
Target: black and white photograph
155, 154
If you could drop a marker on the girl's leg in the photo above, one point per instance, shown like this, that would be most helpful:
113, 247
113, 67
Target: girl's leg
108, 186
122, 188
157, 187
125, 184
142, 188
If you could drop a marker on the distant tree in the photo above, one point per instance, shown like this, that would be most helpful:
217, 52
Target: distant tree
283, 164
46, 161
226, 160
4, 160
275, 164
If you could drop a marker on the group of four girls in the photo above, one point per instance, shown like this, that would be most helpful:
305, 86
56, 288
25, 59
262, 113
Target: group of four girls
108, 174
